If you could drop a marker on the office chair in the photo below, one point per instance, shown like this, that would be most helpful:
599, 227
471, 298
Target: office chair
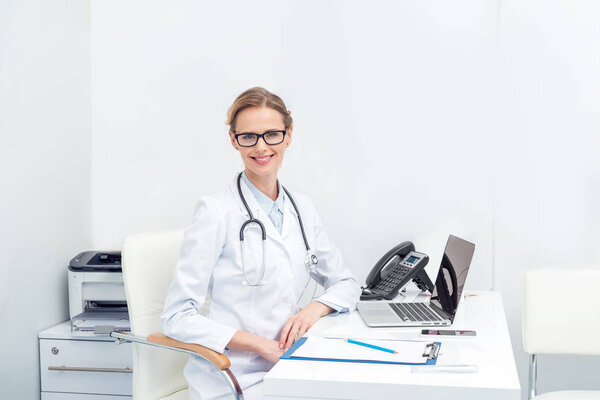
560, 324
148, 262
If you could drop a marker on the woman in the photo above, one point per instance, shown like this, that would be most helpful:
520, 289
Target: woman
254, 315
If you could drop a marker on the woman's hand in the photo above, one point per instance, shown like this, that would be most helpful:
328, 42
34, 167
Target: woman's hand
269, 350
297, 325
266, 348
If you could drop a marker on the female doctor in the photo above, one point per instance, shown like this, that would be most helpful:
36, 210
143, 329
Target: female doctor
254, 284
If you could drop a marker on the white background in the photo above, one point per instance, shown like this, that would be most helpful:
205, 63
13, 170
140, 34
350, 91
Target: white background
45, 159
412, 120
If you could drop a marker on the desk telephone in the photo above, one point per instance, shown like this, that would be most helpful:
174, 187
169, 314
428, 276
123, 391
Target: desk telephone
395, 270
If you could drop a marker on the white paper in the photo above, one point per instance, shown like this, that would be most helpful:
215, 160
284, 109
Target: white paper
339, 349
89, 324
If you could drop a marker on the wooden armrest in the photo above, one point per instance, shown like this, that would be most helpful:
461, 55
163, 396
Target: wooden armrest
219, 360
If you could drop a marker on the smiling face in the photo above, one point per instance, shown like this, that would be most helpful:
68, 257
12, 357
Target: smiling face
262, 161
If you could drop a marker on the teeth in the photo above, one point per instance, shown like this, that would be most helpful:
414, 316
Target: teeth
262, 159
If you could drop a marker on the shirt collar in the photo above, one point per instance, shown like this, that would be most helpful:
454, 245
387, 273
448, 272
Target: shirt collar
262, 199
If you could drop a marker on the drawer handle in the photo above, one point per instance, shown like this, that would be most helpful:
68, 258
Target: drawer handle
87, 369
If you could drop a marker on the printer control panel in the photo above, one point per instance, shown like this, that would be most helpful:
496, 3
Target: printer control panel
108, 261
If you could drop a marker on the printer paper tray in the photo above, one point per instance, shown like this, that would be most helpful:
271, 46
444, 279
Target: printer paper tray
88, 322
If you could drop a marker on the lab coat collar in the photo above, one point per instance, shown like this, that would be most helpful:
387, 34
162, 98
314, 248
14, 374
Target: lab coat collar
290, 217
288, 205
250, 200
260, 214
264, 201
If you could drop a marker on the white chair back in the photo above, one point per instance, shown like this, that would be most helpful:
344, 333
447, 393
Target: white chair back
148, 266
561, 311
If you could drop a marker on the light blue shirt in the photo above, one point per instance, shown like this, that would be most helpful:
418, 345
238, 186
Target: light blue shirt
274, 209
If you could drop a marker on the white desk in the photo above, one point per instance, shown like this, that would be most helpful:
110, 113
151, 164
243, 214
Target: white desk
491, 350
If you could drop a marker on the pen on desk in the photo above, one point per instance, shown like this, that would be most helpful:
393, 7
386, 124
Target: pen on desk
372, 346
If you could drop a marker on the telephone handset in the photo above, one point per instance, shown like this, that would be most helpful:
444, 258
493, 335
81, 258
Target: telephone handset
394, 270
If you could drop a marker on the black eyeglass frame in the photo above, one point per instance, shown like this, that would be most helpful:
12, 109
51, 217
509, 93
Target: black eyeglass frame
260, 135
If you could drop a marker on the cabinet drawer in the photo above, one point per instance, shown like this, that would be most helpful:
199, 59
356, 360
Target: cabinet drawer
85, 366
79, 396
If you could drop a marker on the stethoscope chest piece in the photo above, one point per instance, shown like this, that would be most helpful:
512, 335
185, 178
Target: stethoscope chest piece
311, 261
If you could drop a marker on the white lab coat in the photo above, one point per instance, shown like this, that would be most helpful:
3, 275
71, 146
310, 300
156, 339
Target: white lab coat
210, 264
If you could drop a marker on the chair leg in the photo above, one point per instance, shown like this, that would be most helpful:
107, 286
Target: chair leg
230, 377
532, 376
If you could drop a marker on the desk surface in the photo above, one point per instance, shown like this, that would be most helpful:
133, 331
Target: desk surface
490, 350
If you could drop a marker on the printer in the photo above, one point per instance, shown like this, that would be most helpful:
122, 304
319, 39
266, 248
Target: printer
97, 302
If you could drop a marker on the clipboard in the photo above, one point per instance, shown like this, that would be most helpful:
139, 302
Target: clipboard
430, 353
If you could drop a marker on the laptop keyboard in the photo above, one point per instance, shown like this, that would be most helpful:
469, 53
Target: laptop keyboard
415, 312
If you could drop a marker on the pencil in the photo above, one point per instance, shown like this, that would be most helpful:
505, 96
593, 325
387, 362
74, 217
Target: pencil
372, 346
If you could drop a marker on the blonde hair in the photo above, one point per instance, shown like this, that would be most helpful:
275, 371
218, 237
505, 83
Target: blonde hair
258, 97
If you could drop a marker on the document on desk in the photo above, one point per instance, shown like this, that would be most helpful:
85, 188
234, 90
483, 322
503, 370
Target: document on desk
333, 349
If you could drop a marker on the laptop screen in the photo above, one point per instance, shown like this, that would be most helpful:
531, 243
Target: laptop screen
452, 275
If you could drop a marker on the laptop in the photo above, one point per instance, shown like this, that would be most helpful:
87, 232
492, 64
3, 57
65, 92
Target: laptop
441, 309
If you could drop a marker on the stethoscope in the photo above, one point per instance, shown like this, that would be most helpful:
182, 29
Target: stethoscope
310, 260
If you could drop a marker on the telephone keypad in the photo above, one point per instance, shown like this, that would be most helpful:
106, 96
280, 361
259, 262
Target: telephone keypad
397, 274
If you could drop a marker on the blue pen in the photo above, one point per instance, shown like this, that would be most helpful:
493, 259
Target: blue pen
372, 346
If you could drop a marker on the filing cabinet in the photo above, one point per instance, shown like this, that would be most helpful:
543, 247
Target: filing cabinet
83, 367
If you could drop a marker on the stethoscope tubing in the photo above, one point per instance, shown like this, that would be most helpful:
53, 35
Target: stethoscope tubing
299, 218
262, 271
311, 259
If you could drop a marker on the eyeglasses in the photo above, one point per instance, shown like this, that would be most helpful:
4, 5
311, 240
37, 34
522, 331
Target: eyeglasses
250, 139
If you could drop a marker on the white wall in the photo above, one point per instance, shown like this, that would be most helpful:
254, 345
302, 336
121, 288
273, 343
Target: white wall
45, 156
394, 118
547, 159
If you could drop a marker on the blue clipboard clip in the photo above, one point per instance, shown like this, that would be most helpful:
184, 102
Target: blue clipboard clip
431, 351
